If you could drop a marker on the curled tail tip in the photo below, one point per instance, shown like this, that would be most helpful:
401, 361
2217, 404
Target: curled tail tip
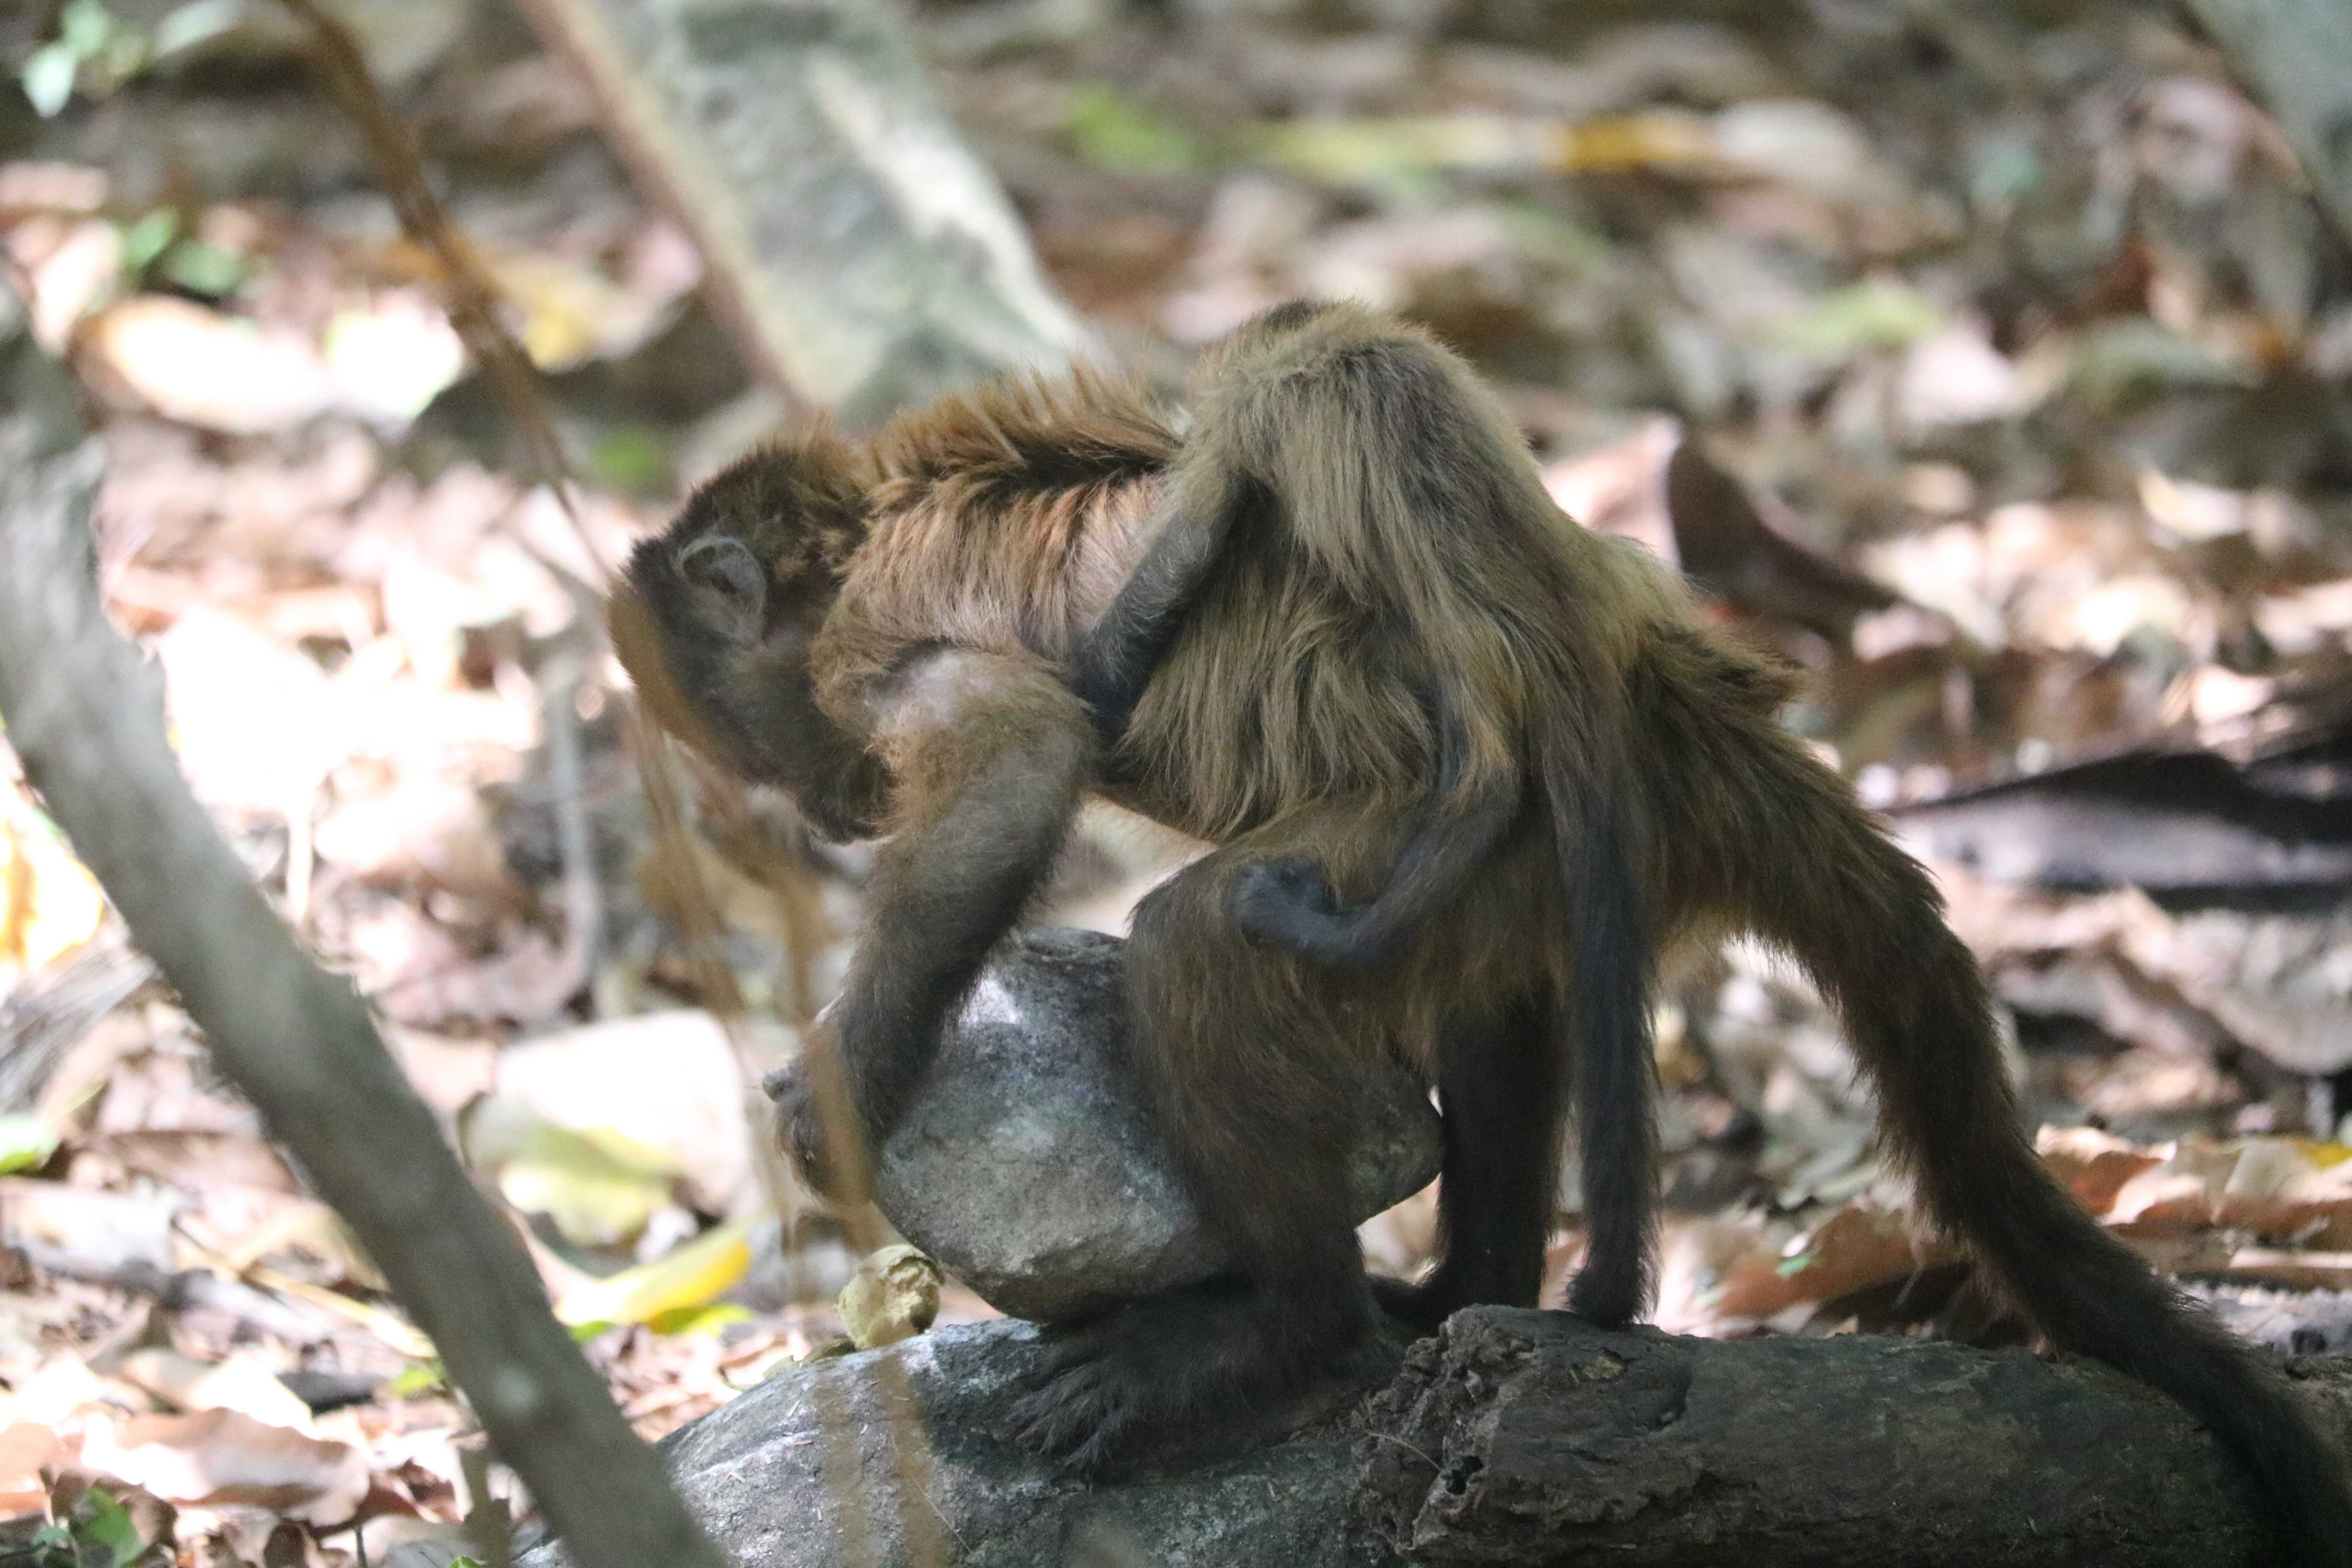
1614, 1287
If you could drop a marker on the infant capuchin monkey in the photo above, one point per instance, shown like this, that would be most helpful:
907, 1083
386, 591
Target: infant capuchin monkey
1469, 767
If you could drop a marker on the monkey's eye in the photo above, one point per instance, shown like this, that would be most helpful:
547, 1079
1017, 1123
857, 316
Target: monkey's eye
723, 566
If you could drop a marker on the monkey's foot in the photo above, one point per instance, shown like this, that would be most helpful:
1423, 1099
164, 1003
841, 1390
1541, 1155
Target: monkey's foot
1289, 902
801, 1128
1420, 1307
1216, 1361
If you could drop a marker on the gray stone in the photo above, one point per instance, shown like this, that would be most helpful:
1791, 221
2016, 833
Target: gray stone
808, 1470
1026, 1165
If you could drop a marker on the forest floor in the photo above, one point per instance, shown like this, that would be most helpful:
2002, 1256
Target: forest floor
2017, 309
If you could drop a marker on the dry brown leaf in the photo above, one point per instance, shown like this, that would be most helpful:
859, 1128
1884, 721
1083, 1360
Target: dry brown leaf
95, 1230
894, 1296
50, 903
1857, 1247
2092, 1165
242, 1383
1620, 488
257, 726
527, 979
666, 1080
165, 1087
198, 1161
66, 1392
224, 1457
424, 828
73, 269
25, 1448
213, 371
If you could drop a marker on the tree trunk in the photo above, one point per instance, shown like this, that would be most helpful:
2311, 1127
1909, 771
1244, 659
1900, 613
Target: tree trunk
864, 257
84, 712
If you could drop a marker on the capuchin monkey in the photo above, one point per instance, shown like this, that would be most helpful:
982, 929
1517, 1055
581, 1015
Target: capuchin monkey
1470, 768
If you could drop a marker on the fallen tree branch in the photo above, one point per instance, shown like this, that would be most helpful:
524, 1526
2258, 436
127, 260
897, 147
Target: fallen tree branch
1535, 1437
1523, 1438
84, 712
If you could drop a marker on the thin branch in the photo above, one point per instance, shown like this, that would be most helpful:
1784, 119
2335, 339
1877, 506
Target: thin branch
471, 298
85, 713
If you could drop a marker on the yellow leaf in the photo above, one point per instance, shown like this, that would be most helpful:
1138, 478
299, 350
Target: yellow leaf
693, 1276
598, 1185
573, 313
50, 903
1345, 151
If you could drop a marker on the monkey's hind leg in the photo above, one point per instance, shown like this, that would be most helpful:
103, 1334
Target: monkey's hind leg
1251, 1087
1501, 1081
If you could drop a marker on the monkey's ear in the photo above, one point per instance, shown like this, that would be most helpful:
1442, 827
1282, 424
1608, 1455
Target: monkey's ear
729, 585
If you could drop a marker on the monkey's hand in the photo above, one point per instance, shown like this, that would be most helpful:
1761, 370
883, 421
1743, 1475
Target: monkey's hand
1420, 1307
1290, 903
806, 1132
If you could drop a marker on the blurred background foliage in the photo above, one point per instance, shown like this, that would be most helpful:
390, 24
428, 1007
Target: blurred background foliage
2009, 326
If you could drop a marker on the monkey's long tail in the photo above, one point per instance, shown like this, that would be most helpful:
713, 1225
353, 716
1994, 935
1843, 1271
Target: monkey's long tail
1866, 922
1605, 1017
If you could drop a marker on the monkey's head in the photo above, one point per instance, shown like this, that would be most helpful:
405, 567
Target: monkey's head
714, 617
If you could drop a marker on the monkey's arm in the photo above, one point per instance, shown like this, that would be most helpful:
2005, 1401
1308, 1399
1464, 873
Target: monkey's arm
1289, 902
989, 755
1116, 656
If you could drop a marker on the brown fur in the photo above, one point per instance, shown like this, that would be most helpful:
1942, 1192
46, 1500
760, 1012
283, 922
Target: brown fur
1344, 583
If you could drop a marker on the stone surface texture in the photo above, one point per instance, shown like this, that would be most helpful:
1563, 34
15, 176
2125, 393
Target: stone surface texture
1026, 1165
810, 1470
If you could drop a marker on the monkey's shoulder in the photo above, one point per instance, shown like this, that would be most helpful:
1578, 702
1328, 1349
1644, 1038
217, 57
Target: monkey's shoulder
1009, 519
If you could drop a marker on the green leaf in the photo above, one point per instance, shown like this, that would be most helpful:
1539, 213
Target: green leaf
1847, 321
203, 268
87, 27
194, 22
25, 1142
2003, 169
147, 239
101, 1525
2117, 364
1114, 131
125, 55
48, 77
630, 459
410, 1381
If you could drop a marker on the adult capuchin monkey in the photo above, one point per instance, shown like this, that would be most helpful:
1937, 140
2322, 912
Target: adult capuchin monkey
1345, 581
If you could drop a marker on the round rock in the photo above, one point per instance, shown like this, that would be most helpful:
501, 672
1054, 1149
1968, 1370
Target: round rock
1028, 1167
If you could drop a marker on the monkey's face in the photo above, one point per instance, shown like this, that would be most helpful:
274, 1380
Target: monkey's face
715, 619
